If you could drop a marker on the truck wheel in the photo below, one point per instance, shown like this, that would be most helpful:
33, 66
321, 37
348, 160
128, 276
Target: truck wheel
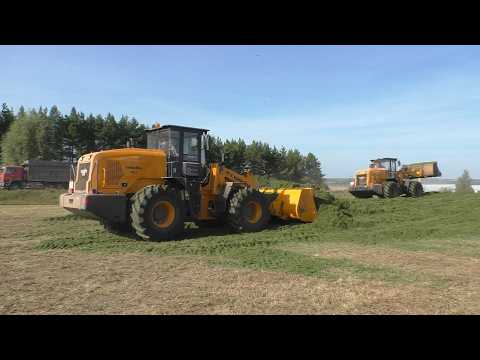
157, 213
248, 211
391, 189
15, 185
415, 189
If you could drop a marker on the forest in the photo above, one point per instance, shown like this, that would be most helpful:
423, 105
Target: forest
47, 134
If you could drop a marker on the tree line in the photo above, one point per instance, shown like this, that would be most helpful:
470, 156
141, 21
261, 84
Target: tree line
263, 159
47, 134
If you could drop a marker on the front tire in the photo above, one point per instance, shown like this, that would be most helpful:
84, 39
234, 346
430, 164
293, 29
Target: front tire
248, 211
391, 190
415, 189
157, 213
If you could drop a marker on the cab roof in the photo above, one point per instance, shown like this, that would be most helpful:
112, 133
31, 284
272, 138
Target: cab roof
178, 127
394, 159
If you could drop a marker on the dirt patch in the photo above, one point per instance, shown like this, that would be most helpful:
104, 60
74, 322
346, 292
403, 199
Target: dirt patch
72, 282
461, 273
455, 267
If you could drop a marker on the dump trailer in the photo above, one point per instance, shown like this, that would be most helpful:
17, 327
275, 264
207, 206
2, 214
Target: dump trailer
386, 177
152, 192
35, 173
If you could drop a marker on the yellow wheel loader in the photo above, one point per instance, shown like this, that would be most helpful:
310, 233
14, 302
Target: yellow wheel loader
154, 191
383, 179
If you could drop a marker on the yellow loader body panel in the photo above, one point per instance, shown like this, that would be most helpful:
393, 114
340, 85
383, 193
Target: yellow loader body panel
294, 203
120, 171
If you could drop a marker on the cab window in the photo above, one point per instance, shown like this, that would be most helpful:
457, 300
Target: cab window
191, 146
9, 170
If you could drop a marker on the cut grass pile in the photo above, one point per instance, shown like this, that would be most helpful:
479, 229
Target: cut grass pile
47, 196
438, 223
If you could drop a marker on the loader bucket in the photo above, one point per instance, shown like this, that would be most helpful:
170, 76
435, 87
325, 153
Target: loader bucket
423, 170
297, 203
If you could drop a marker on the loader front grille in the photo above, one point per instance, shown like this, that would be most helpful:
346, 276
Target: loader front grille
361, 181
113, 172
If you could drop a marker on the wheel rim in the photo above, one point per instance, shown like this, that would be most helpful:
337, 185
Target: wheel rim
253, 212
163, 214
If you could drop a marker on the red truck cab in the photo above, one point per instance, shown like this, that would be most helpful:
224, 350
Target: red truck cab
12, 176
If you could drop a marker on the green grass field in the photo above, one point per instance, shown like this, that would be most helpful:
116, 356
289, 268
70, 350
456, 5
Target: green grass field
445, 223
30, 196
430, 244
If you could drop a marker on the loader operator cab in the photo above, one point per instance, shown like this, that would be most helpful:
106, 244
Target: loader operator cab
390, 164
185, 149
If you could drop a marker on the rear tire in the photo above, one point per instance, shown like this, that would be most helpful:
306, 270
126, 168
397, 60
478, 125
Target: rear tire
415, 189
391, 190
248, 211
157, 213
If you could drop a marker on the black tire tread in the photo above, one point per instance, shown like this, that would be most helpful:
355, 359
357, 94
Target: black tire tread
391, 189
415, 189
235, 205
140, 201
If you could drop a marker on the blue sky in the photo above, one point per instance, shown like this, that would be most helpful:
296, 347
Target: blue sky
345, 104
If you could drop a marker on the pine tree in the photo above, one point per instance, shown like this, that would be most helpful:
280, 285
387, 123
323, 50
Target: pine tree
294, 165
71, 136
464, 183
137, 133
214, 153
313, 170
109, 132
99, 125
6, 119
89, 134
44, 135
235, 154
56, 119
21, 112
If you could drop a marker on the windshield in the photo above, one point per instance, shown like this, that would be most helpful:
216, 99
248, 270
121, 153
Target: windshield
9, 170
382, 164
2, 169
167, 140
